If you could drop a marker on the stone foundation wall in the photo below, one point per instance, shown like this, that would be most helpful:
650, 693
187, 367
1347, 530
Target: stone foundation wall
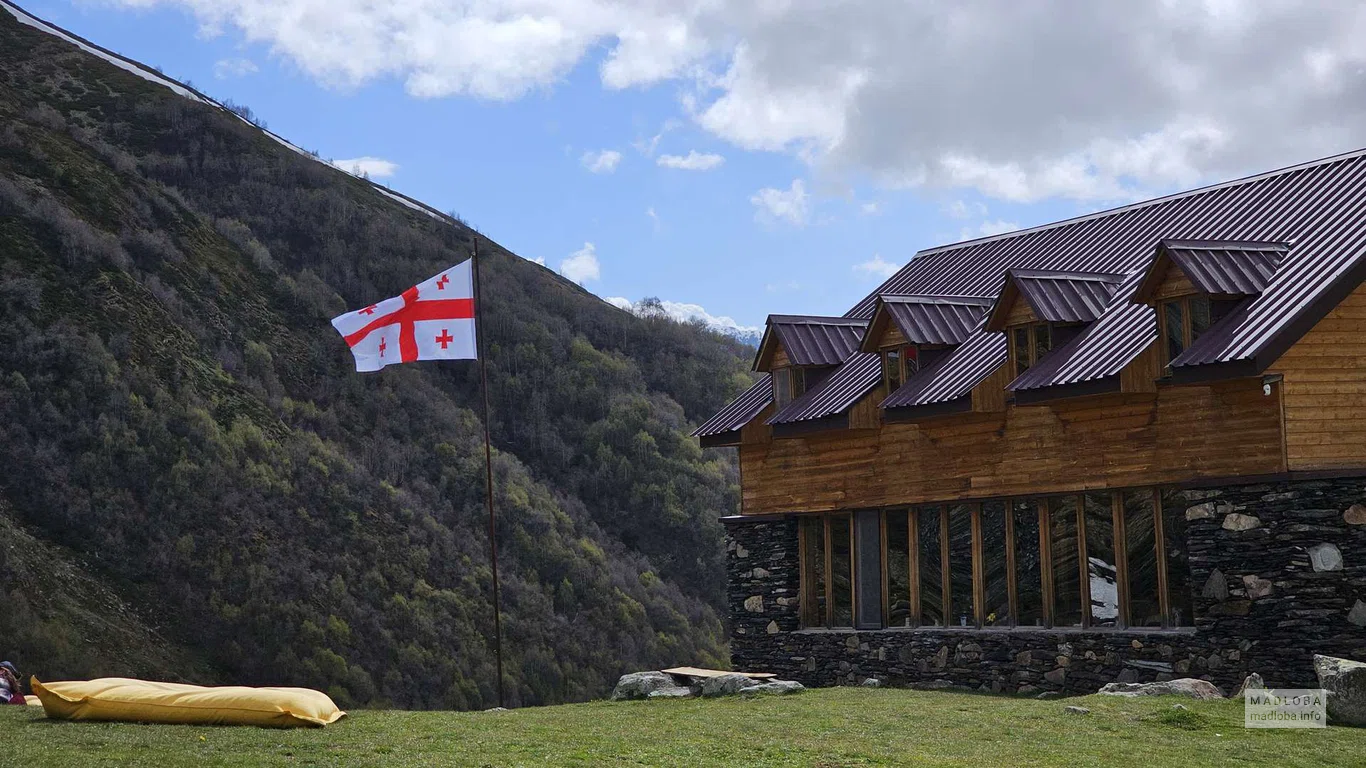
1277, 571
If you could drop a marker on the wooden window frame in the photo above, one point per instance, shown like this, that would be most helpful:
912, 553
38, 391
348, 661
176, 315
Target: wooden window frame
1188, 336
1041, 507
902, 369
1032, 346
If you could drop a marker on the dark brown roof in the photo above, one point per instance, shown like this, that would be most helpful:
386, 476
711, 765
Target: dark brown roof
811, 339
741, 410
934, 319
856, 378
1222, 268
1056, 296
1320, 207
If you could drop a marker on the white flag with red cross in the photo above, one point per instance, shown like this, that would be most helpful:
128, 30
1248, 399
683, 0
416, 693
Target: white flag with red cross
433, 320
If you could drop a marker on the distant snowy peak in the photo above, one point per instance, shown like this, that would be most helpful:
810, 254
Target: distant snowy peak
685, 313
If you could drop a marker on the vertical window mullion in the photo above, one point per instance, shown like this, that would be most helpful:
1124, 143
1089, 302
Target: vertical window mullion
1046, 558
945, 574
1084, 581
913, 534
886, 587
979, 577
1160, 541
1012, 584
1121, 544
829, 572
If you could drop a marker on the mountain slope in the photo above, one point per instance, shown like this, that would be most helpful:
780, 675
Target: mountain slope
176, 410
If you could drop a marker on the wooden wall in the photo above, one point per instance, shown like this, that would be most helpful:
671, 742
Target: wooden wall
1105, 441
1325, 390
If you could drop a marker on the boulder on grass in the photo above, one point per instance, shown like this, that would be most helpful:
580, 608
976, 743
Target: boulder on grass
676, 692
1186, 686
776, 687
1345, 684
639, 685
1252, 682
725, 685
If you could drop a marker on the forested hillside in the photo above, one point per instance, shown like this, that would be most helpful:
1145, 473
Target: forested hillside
182, 432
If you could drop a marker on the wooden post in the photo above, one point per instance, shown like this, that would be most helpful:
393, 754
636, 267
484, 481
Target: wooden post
1045, 558
1121, 557
913, 533
1160, 541
1012, 583
979, 573
1083, 564
945, 574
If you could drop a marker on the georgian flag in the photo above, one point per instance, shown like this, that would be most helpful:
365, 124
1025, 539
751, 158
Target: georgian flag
433, 320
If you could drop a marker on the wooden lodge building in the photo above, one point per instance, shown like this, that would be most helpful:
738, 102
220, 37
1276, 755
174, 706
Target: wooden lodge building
1127, 446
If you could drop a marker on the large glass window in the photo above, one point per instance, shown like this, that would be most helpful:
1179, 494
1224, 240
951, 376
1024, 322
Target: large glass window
1028, 564
841, 571
996, 588
1145, 608
811, 535
931, 568
1177, 562
1173, 329
1019, 348
891, 369
1102, 569
782, 386
1098, 559
1182, 321
898, 569
962, 609
1062, 522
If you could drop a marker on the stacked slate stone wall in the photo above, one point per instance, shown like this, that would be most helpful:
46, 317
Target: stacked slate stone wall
1278, 573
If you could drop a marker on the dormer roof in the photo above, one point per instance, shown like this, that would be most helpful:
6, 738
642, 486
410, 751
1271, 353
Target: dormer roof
809, 339
1054, 295
926, 319
1215, 267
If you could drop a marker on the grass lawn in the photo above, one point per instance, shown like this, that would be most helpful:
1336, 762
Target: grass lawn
825, 728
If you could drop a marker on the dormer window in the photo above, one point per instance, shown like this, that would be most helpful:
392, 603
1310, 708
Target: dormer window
899, 364
789, 383
1184, 319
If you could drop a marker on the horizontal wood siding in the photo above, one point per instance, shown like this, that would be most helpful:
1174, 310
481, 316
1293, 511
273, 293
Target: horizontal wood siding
1020, 311
1104, 441
1325, 390
780, 359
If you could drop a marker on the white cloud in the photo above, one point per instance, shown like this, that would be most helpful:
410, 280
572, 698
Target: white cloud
1017, 101
961, 209
538, 260
792, 205
684, 312
987, 229
654, 218
601, 162
582, 265
224, 69
693, 161
373, 167
877, 267
872, 208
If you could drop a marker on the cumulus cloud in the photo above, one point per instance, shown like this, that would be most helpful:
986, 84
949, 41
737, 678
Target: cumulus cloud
373, 167
601, 162
693, 161
987, 229
1018, 101
877, 267
582, 265
684, 312
225, 69
792, 205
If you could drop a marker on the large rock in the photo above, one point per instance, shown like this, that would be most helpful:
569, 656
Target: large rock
1345, 683
1252, 682
775, 687
1236, 521
1186, 686
639, 685
1325, 557
725, 685
677, 692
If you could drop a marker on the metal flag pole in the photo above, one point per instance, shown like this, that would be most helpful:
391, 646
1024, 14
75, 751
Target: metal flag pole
488, 468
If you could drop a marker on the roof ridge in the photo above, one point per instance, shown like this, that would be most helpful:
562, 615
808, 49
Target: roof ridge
933, 298
1349, 155
1067, 274
816, 320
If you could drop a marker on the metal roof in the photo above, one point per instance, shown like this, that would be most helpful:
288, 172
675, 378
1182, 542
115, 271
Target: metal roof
1318, 206
1060, 297
812, 339
741, 410
856, 378
1228, 268
953, 376
935, 319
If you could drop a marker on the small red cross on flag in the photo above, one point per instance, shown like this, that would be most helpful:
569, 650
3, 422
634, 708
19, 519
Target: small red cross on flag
433, 320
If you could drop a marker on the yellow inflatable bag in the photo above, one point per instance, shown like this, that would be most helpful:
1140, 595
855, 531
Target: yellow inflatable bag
140, 701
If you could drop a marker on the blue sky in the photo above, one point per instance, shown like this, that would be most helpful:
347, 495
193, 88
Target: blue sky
816, 164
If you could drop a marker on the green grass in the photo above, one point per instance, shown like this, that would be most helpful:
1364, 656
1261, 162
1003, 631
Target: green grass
826, 728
